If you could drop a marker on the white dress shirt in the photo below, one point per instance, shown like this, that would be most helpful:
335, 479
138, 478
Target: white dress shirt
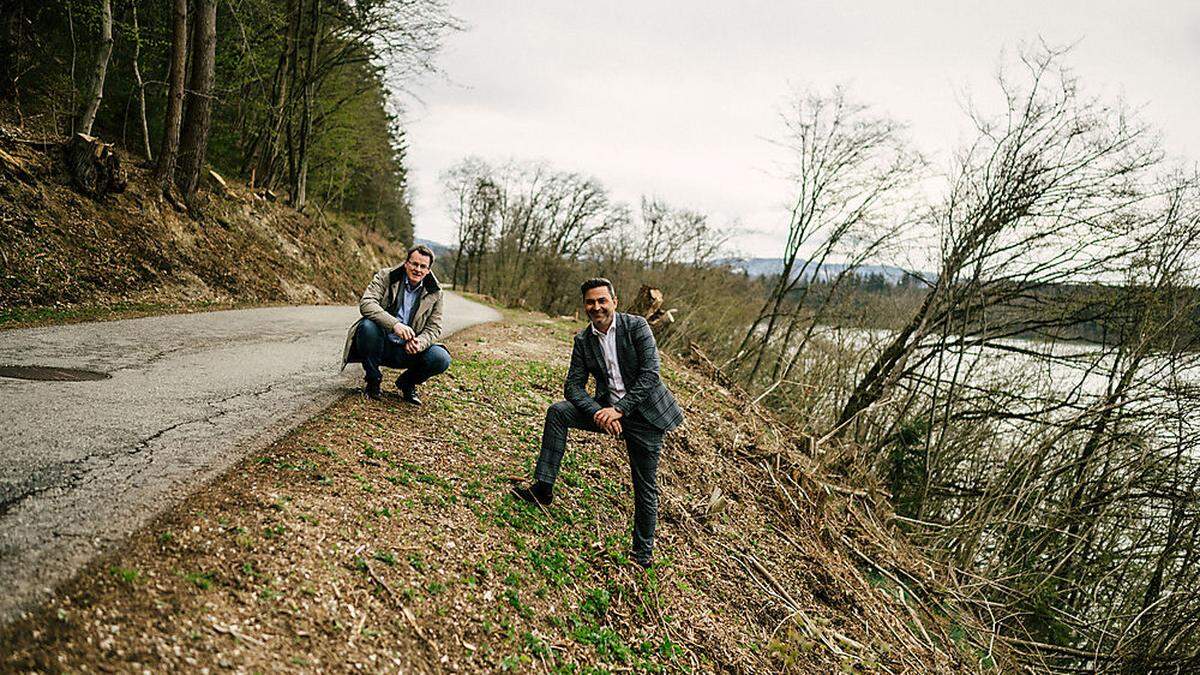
608, 345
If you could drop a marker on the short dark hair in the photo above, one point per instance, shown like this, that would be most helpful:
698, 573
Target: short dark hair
423, 250
597, 282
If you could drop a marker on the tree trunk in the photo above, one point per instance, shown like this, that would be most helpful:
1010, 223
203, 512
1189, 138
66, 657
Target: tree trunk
141, 85
884, 370
300, 194
10, 40
174, 115
261, 158
103, 52
194, 144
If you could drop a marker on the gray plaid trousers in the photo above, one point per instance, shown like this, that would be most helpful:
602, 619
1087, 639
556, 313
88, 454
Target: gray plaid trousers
643, 441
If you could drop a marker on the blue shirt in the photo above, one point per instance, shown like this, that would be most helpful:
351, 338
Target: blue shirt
410, 296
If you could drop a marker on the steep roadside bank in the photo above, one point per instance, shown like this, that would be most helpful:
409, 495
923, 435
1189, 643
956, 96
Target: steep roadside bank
380, 536
68, 257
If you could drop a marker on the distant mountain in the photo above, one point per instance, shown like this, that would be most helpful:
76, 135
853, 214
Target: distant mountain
760, 267
439, 249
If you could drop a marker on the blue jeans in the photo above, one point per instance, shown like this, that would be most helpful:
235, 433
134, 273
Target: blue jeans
375, 350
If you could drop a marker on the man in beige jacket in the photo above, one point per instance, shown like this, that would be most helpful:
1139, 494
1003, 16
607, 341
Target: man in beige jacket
401, 322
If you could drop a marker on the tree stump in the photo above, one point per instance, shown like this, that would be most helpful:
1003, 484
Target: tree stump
649, 303
94, 166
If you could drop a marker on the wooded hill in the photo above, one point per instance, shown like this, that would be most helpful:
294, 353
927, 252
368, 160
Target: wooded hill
68, 256
291, 96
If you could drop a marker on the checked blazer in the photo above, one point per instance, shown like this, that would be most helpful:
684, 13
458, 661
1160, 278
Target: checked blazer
637, 357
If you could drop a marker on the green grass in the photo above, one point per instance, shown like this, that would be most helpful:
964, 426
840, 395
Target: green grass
125, 575
201, 580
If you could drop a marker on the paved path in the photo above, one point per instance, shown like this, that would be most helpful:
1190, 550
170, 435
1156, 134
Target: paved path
83, 464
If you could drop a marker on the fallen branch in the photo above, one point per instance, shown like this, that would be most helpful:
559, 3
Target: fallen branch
233, 631
908, 592
15, 167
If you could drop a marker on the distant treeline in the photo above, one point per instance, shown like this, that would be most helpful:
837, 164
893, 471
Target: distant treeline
1093, 313
299, 93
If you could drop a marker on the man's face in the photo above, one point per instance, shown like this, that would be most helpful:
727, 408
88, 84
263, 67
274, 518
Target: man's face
599, 305
417, 266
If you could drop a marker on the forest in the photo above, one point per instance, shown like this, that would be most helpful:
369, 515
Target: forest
299, 98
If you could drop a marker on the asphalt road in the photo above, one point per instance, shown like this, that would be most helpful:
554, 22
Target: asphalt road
83, 464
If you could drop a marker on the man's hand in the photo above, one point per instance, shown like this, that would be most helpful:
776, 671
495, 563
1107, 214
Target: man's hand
413, 346
403, 331
614, 428
608, 420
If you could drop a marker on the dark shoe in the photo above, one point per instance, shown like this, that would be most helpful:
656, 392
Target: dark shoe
644, 563
537, 493
372, 391
408, 393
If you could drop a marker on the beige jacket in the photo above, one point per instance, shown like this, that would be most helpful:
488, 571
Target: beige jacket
379, 302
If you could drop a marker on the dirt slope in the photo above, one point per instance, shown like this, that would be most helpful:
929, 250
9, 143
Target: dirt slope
62, 251
379, 536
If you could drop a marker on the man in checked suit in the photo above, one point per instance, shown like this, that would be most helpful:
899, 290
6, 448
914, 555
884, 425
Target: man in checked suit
630, 402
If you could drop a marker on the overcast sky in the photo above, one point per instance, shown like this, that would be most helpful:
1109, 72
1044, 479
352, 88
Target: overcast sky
679, 100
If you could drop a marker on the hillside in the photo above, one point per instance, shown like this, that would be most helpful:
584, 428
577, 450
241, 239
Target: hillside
760, 267
381, 537
68, 256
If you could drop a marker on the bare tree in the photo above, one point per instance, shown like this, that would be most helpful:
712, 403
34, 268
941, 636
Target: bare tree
141, 85
1036, 416
475, 200
848, 167
520, 224
1033, 203
677, 236
1072, 497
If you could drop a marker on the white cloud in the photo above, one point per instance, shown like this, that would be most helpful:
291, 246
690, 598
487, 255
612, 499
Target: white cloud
678, 99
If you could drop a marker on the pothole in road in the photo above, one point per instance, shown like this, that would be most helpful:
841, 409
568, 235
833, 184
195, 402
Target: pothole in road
49, 374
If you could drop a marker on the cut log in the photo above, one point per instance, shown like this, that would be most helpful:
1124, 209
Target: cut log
218, 181
15, 167
94, 166
649, 303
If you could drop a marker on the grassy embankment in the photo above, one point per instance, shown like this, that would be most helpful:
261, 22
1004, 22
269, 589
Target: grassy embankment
66, 257
380, 536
